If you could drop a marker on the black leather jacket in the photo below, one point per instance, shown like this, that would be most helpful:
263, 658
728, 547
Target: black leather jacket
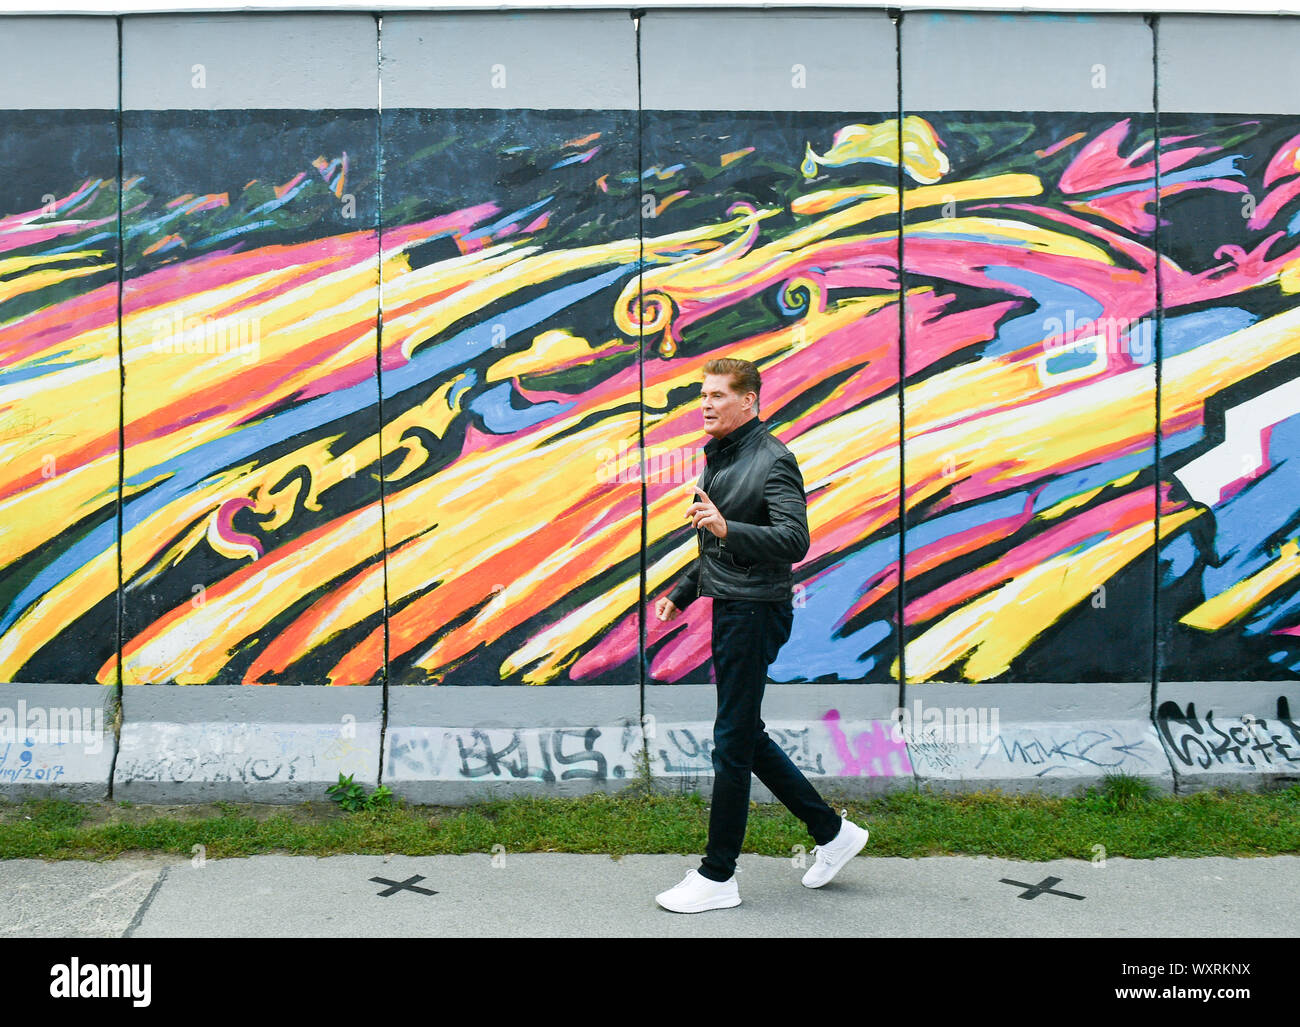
754, 481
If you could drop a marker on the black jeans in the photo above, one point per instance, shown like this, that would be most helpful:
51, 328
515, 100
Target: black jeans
747, 634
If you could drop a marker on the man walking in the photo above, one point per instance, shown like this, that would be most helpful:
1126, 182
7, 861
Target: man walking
751, 526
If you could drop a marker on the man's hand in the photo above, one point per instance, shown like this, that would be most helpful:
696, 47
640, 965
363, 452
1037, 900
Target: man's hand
705, 515
666, 609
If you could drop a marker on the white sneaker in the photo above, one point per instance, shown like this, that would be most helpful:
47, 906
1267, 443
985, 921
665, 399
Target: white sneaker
835, 853
697, 893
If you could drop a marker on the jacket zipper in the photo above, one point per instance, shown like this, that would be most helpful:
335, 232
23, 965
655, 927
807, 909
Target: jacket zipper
699, 584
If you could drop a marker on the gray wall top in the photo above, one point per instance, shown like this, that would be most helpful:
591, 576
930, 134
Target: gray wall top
250, 62
58, 64
1228, 65
1007, 62
584, 60
769, 61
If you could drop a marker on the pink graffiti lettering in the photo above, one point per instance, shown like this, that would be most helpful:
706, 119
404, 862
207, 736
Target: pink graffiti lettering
873, 749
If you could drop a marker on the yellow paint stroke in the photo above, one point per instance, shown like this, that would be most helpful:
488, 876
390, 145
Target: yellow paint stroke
57, 609
992, 630
1002, 383
487, 504
313, 308
1239, 600
878, 144
1289, 278
31, 281
922, 157
74, 596
835, 489
1187, 378
15, 265
551, 350
828, 199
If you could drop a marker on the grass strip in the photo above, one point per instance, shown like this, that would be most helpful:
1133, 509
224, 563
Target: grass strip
1123, 817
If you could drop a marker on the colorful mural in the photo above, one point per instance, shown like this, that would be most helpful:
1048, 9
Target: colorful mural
60, 385
510, 379
1030, 401
485, 483
806, 285
1036, 507
1230, 399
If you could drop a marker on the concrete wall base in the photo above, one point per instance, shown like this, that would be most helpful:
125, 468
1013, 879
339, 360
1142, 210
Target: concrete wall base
245, 744
56, 741
455, 746
1051, 758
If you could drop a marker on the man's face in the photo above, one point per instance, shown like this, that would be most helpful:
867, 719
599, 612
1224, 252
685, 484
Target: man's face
724, 409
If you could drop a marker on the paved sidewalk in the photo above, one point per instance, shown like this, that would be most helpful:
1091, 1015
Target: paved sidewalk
548, 895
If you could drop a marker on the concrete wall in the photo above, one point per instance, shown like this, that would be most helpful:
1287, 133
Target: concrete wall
348, 380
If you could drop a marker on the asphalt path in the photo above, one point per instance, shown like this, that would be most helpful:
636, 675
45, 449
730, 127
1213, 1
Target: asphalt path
561, 895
